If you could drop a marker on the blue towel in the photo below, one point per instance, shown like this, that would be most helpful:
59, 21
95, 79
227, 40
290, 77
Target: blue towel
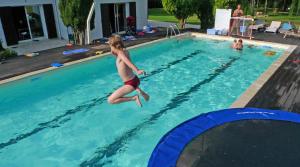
56, 65
75, 51
286, 26
243, 28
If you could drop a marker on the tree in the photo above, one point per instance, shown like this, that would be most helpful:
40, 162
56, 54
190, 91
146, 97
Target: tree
74, 14
298, 9
181, 9
266, 6
293, 8
204, 12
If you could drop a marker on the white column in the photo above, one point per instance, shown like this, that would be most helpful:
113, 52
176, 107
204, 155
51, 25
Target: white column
141, 13
97, 32
127, 9
61, 28
99, 18
44, 25
2, 35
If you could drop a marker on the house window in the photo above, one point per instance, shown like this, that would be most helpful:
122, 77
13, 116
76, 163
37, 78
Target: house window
34, 19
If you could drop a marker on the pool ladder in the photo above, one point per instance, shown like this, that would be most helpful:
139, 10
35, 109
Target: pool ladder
171, 29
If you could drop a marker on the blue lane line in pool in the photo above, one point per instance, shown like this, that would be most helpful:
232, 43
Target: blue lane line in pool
35, 79
118, 145
56, 122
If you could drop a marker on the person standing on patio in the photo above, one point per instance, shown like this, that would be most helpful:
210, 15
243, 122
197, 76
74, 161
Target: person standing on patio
235, 22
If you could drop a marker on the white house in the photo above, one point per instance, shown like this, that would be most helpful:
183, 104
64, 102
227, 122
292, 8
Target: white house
22, 21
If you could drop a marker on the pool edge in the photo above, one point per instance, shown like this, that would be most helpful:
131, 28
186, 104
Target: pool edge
22, 76
253, 89
257, 85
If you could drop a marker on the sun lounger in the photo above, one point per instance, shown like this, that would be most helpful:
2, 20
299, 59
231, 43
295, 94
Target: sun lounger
275, 25
286, 27
295, 33
259, 24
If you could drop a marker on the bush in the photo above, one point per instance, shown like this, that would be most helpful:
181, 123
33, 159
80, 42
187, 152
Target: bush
6, 54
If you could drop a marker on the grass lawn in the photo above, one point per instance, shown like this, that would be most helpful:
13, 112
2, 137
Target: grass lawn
282, 18
159, 14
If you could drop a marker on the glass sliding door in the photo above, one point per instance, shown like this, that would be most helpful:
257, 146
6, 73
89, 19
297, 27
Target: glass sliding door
21, 23
120, 15
113, 18
33, 14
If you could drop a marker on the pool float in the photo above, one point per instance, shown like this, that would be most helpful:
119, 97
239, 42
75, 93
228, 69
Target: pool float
266, 47
57, 65
99, 53
75, 51
269, 53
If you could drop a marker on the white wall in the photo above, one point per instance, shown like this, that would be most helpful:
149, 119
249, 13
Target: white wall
141, 13
96, 33
60, 27
23, 2
2, 36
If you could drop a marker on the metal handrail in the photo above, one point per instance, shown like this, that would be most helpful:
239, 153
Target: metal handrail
171, 28
88, 25
175, 25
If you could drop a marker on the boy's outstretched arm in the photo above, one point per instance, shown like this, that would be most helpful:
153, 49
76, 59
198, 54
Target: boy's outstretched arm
130, 64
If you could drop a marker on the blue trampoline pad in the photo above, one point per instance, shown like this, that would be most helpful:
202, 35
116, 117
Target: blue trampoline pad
245, 137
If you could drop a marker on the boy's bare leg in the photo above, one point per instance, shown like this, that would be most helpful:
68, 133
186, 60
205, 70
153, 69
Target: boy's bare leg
144, 94
118, 96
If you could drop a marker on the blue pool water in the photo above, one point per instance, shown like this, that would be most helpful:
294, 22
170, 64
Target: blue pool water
61, 118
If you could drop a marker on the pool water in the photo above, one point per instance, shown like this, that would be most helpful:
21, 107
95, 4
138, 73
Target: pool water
61, 118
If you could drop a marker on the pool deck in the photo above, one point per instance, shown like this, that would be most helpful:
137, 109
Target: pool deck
281, 90
22, 64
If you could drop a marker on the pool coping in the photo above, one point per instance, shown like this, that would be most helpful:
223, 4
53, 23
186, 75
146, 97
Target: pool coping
253, 89
19, 77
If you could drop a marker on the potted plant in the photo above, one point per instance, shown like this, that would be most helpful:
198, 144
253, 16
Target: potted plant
1, 48
6, 54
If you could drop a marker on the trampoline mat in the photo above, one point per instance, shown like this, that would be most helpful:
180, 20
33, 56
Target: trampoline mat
245, 143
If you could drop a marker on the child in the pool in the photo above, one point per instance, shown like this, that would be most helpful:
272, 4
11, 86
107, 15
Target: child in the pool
239, 45
234, 44
126, 71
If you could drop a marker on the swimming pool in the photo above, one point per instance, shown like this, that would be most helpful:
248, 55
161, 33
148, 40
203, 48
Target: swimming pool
61, 118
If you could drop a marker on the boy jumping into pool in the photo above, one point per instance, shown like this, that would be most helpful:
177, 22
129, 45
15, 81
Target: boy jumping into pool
126, 71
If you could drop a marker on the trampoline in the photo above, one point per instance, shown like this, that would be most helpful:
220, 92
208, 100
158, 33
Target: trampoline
245, 137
